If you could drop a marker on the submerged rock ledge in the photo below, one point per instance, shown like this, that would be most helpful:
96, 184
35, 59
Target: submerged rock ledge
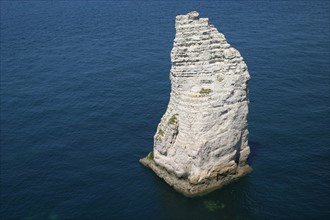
190, 190
201, 142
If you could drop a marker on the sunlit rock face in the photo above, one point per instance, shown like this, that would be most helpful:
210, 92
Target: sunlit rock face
202, 139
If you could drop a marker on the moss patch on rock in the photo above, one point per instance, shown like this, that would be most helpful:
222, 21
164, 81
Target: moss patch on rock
205, 91
161, 132
173, 119
151, 155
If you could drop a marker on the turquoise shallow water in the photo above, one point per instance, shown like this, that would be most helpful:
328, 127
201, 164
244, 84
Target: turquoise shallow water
84, 84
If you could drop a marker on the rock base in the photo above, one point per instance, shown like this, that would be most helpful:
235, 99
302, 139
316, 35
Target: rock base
192, 190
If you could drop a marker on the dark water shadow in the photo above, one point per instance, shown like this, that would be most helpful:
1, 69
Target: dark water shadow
229, 202
255, 148
226, 203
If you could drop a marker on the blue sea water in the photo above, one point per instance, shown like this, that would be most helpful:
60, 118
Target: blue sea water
85, 83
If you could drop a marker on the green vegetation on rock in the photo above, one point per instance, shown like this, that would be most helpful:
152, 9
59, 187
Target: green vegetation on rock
161, 132
173, 119
151, 155
205, 91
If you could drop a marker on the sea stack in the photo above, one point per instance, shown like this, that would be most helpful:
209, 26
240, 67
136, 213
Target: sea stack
201, 142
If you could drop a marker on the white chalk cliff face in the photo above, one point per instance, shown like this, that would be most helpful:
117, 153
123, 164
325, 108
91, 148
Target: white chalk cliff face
203, 135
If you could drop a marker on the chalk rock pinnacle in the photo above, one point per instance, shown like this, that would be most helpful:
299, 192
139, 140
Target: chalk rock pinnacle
201, 142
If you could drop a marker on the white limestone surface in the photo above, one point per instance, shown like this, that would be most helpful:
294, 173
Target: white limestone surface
203, 135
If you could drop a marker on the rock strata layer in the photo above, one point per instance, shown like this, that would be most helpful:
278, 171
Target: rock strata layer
201, 142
